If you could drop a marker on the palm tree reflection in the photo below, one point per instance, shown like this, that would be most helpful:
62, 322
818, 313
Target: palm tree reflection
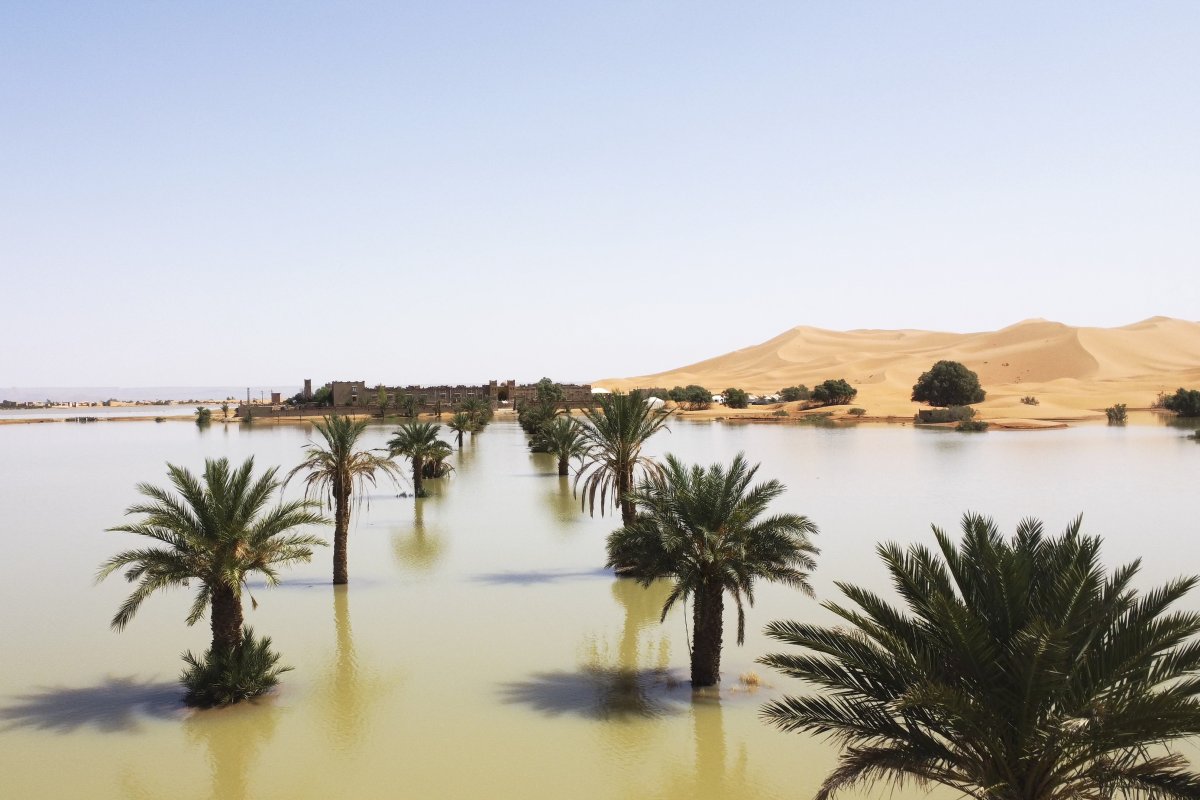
418, 549
233, 737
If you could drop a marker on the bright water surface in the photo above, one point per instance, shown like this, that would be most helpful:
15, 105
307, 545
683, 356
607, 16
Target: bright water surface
481, 651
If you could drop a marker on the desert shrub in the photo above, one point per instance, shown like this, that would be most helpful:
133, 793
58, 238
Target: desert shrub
1185, 402
793, 393
160, 419
692, 396
834, 393
948, 383
1116, 414
780, 413
1029, 400
857, 412
736, 398
250, 669
951, 414
972, 425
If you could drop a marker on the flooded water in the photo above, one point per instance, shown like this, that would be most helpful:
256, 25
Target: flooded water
480, 650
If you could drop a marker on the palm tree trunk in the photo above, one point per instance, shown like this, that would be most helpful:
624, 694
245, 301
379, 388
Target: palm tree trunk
341, 531
563, 466
226, 619
624, 485
707, 613
418, 485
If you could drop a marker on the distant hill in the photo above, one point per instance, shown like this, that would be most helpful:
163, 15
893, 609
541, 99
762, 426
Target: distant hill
1073, 371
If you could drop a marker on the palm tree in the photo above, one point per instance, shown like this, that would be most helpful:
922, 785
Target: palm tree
217, 530
701, 527
337, 471
614, 435
478, 410
435, 465
461, 423
1016, 669
225, 410
416, 441
562, 437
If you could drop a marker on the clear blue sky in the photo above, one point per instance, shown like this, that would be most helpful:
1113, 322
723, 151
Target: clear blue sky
225, 193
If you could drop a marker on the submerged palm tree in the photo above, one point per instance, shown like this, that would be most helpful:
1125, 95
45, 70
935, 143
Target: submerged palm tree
562, 437
478, 410
461, 423
337, 471
701, 527
614, 435
1017, 669
417, 441
435, 465
217, 529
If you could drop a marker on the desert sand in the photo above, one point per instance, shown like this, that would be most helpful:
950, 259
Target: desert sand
1074, 372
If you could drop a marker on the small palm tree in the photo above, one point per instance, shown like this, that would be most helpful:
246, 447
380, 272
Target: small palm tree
225, 410
435, 465
478, 409
416, 441
337, 470
701, 527
461, 423
1016, 669
614, 435
217, 529
562, 437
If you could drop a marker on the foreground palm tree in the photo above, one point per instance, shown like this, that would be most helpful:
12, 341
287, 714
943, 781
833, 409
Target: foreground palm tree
562, 437
701, 527
1017, 669
337, 470
461, 423
418, 442
614, 435
217, 529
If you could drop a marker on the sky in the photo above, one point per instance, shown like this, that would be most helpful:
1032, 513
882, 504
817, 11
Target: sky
240, 193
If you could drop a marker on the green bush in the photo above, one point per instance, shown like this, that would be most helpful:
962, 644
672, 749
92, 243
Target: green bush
948, 383
857, 412
692, 396
952, 414
249, 670
203, 415
1116, 414
736, 398
972, 425
834, 393
1029, 400
780, 413
1185, 402
791, 394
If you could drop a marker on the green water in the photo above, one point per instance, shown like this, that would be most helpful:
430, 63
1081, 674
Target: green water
480, 651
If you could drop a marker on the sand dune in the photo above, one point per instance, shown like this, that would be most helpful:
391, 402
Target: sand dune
1073, 372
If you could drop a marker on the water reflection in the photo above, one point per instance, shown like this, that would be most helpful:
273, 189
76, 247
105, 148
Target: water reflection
348, 690
233, 738
115, 705
632, 682
561, 500
418, 549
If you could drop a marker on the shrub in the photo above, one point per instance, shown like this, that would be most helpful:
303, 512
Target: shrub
736, 398
834, 393
793, 393
1185, 402
948, 383
692, 396
780, 413
249, 670
203, 415
1116, 414
972, 425
951, 414
857, 412
1029, 400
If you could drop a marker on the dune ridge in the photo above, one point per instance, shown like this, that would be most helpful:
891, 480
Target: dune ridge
1074, 372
